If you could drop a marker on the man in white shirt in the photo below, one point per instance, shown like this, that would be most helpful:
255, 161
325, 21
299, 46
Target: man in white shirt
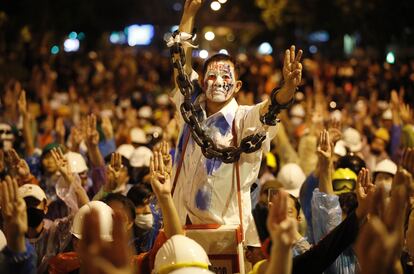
205, 189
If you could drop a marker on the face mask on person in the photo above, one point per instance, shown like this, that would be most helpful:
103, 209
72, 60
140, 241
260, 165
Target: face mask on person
144, 221
34, 217
220, 81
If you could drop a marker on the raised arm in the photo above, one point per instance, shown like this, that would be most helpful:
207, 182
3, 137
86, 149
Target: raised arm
325, 163
92, 141
161, 185
27, 133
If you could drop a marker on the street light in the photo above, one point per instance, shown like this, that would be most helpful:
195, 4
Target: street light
215, 5
209, 36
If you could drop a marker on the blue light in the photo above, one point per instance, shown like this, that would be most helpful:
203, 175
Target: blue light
313, 49
265, 48
81, 36
71, 45
319, 36
390, 58
54, 50
177, 6
114, 37
73, 35
140, 34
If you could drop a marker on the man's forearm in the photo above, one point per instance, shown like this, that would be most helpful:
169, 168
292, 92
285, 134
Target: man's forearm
95, 156
285, 94
172, 225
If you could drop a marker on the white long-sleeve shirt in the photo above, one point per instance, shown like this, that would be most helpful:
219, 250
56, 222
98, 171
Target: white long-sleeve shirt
206, 189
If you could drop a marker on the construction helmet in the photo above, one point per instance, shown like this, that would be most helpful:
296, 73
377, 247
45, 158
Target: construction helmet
3, 241
181, 255
343, 180
105, 219
76, 162
386, 166
125, 150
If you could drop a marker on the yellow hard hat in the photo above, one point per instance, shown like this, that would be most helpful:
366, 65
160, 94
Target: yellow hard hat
271, 160
343, 180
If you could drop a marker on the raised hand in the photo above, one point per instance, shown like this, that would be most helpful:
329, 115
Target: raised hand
76, 138
98, 256
60, 130
18, 167
324, 148
406, 113
292, 68
281, 228
13, 210
160, 179
89, 131
335, 131
107, 128
164, 149
61, 162
114, 172
22, 104
364, 191
191, 7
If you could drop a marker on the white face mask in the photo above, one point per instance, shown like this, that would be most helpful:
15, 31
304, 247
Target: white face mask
387, 189
144, 221
220, 81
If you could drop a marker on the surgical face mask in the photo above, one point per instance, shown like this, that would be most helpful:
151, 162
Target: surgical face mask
6, 136
34, 217
144, 221
220, 81
387, 188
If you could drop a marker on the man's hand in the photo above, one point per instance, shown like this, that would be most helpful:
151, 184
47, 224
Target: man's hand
107, 128
282, 229
17, 166
324, 149
292, 68
335, 131
101, 257
13, 209
114, 172
160, 179
60, 130
76, 138
406, 113
191, 7
89, 131
22, 104
61, 163
364, 191
164, 149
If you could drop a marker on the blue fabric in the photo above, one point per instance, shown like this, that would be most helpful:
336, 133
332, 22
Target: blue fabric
305, 198
396, 133
107, 147
326, 215
19, 263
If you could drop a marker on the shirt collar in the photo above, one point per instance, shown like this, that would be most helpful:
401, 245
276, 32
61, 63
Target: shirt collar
228, 111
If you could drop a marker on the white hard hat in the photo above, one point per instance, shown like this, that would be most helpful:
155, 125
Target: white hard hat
297, 110
138, 136
352, 139
31, 190
145, 112
181, 255
76, 162
386, 166
141, 157
339, 148
105, 219
162, 100
387, 114
292, 177
125, 150
3, 241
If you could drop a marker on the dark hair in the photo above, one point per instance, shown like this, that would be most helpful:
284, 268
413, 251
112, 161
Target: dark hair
297, 203
351, 161
348, 202
126, 203
222, 57
139, 193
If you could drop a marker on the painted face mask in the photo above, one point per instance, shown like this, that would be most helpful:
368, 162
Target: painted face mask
220, 81
144, 221
6, 136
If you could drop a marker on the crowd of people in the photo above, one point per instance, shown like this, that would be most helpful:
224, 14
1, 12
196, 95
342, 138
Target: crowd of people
100, 172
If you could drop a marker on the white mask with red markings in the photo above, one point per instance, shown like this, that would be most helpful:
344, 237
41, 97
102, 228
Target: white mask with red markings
220, 81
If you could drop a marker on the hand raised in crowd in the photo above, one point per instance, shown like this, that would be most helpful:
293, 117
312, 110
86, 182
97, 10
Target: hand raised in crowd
76, 138
335, 131
160, 179
102, 257
381, 237
324, 151
18, 167
364, 190
324, 148
292, 68
60, 130
90, 132
406, 113
61, 163
107, 128
13, 210
114, 173
164, 149
22, 104
191, 7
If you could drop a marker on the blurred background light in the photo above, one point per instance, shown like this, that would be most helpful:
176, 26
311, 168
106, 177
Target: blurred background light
73, 35
140, 34
71, 45
203, 54
390, 57
209, 35
313, 49
54, 50
265, 48
224, 51
222, 1
177, 6
215, 5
